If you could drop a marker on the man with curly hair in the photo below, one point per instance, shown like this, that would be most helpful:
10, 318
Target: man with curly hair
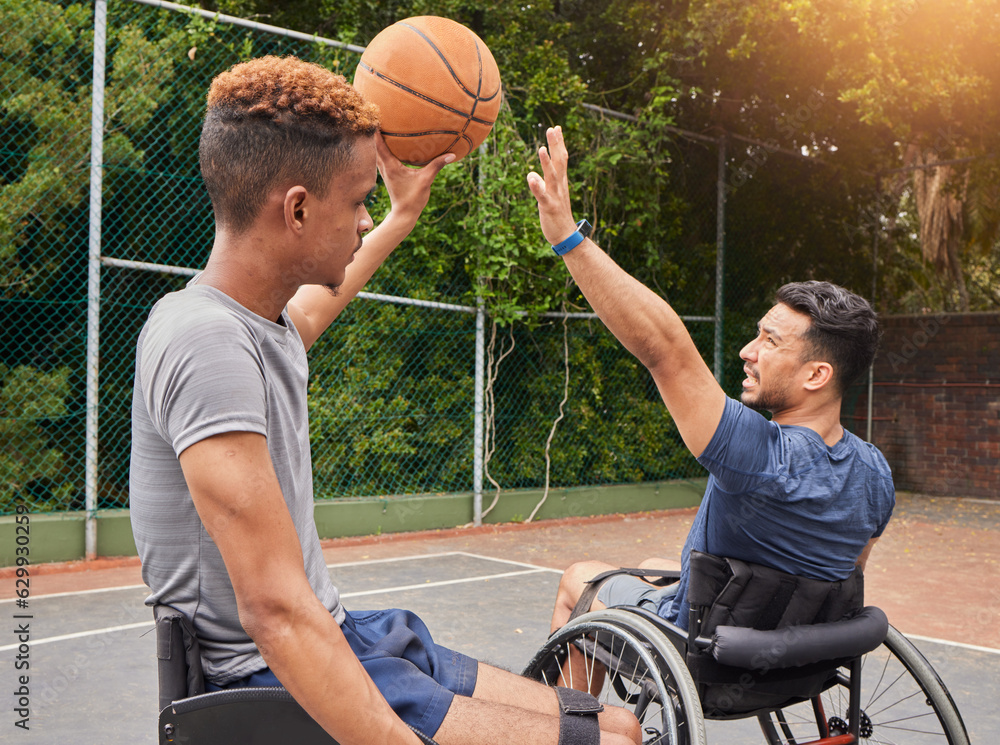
221, 482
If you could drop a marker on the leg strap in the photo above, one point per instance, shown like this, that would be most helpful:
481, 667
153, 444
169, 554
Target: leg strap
666, 577
578, 712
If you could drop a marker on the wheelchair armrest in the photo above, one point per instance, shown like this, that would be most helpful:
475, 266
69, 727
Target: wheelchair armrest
795, 646
247, 716
232, 696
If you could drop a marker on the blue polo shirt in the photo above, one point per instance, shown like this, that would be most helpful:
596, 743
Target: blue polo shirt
780, 496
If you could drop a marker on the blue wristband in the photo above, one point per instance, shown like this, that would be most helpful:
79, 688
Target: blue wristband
582, 231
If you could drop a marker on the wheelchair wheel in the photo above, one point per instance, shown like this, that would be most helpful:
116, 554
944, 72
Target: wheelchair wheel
627, 663
903, 700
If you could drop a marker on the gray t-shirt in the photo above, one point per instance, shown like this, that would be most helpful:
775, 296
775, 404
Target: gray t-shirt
206, 365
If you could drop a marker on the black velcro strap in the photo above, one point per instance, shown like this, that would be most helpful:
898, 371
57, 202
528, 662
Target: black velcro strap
578, 712
667, 576
572, 701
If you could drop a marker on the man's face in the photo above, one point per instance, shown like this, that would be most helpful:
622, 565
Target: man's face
774, 361
342, 216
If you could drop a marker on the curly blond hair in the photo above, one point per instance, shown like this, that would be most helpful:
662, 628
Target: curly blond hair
273, 120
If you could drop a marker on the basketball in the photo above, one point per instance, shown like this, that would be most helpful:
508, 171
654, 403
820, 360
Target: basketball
436, 84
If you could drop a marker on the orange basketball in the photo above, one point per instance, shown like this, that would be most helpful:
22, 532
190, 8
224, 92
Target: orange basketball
436, 84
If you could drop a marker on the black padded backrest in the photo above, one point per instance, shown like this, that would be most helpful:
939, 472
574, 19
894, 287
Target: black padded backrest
178, 657
740, 593
732, 593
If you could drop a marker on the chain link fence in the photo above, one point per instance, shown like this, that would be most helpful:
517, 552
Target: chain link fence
393, 395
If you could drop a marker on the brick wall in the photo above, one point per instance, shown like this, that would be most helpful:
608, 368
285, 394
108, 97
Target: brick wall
936, 412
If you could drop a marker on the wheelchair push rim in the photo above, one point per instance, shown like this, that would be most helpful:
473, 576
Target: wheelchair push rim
627, 663
903, 700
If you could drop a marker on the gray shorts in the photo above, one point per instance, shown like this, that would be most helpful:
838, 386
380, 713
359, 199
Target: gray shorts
624, 589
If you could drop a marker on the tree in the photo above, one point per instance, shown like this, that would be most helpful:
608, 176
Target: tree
869, 87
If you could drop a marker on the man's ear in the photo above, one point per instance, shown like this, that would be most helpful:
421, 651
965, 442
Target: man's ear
295, 208
820, 376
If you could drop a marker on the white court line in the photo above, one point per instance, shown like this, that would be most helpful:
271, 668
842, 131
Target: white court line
945, 642
534, 567
401, 588
78, 592
328, 566
442, 583
80, 634
440, 555
509, 561
396, 558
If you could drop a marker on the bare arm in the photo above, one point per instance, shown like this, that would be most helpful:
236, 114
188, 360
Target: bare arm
863, 559
314, 308
239, 500
642, 321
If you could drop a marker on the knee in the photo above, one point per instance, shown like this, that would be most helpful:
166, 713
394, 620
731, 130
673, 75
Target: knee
574, 579
610, 738
619, 726
577, 574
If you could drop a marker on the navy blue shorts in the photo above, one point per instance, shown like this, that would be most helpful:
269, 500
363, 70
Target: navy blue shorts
417, 677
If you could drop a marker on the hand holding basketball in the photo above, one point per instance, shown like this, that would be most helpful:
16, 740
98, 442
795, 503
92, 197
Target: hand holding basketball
436, 84
409, 188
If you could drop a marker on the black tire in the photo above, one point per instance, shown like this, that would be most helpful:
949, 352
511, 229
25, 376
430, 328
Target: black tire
641, 671
903, 700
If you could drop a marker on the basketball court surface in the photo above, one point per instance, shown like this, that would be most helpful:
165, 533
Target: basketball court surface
488, 592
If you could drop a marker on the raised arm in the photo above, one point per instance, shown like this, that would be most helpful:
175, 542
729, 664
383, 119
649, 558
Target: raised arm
314, 308
641, 320
239, 500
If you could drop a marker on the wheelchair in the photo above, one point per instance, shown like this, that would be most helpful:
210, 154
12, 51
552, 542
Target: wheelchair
801, 656
240, 716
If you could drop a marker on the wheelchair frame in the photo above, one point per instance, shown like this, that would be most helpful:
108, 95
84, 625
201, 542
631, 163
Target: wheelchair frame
636, 659
243, 716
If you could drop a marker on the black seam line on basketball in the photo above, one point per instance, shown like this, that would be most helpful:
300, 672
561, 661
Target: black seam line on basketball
479, 58
479, 88
458, 136
445, 60
412, 92
479, 93
423, 133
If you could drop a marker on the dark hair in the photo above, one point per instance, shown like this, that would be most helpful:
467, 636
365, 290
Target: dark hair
844, 330
272, 120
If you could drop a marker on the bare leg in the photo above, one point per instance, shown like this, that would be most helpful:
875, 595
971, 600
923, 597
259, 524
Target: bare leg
508, 709
571, 587
665, 565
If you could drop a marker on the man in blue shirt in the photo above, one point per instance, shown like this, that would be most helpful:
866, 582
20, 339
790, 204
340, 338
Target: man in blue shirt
796, 492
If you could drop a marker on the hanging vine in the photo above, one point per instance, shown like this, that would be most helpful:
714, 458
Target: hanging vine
555, 423
489, 408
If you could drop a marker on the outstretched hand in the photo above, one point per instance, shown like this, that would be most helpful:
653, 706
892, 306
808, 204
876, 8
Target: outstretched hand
409, 188
551, 190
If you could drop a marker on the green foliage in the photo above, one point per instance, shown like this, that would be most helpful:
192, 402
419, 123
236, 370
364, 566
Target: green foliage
615, 430
389, 402
31, 468
853, 85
